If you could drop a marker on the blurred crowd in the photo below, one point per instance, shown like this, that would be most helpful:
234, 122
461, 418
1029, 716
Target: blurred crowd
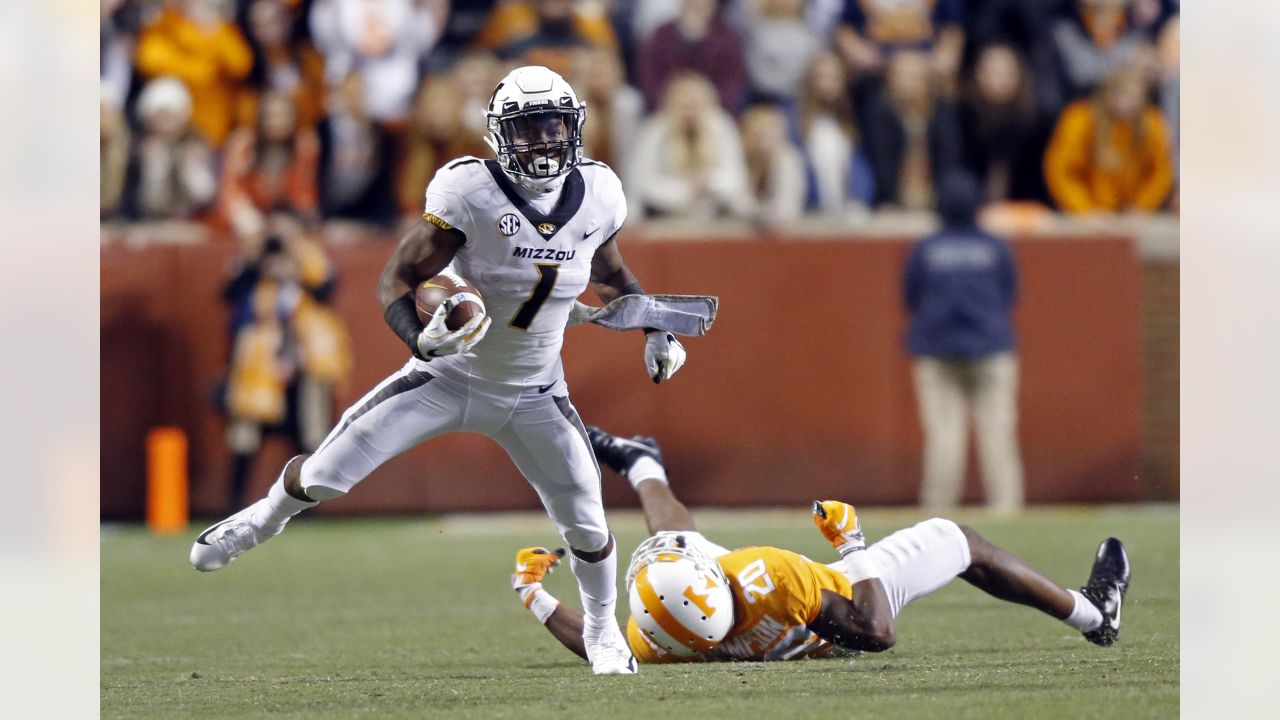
227, 111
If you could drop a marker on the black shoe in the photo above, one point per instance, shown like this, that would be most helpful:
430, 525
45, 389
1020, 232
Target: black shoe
1106, 588
620, 454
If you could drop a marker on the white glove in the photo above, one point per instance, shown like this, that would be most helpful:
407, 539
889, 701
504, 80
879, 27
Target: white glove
663, 355
580, 313
437, 340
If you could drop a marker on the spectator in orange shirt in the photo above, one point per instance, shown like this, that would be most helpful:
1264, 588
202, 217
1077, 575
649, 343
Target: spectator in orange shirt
192, 41
517, 19
1111, 153
558, 31
271, 166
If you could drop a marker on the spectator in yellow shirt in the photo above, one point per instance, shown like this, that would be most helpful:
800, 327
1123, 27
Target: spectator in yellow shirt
192, 41
1111, 153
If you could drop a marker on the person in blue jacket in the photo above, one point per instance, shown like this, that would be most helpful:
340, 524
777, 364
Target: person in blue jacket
960, 286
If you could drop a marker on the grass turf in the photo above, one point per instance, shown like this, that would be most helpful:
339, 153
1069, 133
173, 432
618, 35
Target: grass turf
414, 618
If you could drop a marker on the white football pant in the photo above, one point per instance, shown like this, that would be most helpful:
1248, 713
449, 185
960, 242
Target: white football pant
912, 562
915, 561
535, 424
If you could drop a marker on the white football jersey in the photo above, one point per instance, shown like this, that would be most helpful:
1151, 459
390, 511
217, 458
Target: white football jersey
529, 267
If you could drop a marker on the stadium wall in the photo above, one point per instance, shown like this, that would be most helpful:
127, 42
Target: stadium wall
802, 389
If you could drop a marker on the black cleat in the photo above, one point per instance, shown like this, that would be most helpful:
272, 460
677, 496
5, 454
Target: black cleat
619, 454
1107, 585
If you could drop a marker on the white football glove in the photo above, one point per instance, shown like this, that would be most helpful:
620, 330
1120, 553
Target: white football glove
663, 355
580, 313
437, 340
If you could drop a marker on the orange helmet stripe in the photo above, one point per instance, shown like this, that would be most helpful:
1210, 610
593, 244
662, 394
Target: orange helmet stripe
665, 619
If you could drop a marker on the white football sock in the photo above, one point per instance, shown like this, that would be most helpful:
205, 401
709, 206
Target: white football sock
1086, 616
278, 506
597, 586
646, 468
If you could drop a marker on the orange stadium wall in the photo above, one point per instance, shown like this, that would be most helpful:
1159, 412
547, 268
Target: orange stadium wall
801, 390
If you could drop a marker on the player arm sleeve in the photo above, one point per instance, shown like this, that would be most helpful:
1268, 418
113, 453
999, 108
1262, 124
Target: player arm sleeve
402, 318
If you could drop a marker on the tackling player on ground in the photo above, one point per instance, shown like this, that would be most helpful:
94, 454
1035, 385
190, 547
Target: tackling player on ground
529, 230
694, 600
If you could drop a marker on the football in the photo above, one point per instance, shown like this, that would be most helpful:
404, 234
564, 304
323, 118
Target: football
430, 293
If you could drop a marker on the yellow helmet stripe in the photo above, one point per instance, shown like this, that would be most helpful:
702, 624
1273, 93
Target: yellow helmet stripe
665, 619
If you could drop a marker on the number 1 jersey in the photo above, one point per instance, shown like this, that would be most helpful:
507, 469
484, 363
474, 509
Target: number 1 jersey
529, 265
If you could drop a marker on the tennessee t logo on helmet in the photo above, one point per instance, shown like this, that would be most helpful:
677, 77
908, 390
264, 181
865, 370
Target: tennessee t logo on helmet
679, 597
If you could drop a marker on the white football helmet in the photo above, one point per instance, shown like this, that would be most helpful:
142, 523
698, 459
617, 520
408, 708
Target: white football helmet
535, 127
679, 596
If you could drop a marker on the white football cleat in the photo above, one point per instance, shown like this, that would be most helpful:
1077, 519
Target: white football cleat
608, 651
225, 541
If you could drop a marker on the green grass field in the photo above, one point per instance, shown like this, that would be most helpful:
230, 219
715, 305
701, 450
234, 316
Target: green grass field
414, 618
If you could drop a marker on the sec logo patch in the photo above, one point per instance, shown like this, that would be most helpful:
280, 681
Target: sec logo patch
509, 224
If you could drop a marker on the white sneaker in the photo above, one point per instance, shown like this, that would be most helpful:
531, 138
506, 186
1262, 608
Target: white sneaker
223, 542
608, 651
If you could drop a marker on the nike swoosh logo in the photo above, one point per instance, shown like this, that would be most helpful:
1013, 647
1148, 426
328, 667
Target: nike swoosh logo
211, 528
632, 443
593, 232
544, 388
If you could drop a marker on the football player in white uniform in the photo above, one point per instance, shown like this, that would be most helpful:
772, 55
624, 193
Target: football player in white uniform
529, 230
694, 600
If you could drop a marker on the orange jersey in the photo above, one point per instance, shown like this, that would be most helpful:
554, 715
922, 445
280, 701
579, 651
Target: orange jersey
776, 594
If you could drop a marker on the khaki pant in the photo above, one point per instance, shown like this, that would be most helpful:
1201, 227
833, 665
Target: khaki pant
948, 391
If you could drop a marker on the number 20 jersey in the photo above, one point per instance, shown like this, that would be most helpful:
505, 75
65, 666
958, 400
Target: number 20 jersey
776, 594
528, 265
